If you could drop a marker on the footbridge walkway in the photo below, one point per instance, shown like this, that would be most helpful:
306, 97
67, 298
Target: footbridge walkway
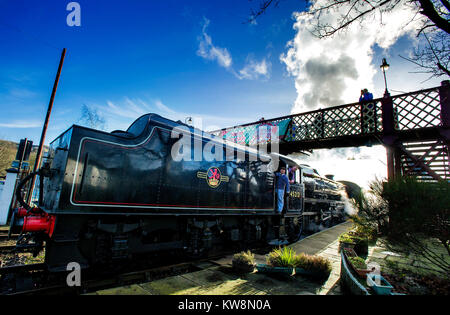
414, 127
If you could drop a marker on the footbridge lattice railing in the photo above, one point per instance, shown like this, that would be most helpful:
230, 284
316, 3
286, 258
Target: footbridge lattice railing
393, 120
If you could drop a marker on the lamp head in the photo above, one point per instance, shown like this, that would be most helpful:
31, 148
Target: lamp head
384, 65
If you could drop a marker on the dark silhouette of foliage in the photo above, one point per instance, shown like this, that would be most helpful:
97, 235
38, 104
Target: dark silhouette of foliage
409, 214
91, 118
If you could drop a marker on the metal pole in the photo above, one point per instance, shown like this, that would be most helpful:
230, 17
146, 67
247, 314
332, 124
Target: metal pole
44, 130
23, 154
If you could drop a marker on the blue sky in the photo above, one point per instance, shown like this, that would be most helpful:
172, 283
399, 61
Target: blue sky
140, 51
183, 58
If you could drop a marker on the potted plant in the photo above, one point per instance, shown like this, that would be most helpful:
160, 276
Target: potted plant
359, 243
244, 262
379, 284
279, 261
315, 266
349, 252
358, 264
345, 241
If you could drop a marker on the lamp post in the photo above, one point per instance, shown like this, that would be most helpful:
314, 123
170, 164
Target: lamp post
384, 66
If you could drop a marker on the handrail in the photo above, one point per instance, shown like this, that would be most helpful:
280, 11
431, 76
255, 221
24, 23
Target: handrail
325, 109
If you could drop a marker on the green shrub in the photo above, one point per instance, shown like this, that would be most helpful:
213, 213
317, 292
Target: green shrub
285, 257
346, 238
409, 215
366, 231
361, 243
314, 263
358, 262
352, 237
244, 258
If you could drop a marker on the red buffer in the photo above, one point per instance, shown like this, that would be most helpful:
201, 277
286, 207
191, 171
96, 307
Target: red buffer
37, 221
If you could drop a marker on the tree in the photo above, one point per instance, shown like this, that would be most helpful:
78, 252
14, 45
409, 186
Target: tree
433, 57
7, 154
91, 118
411, 217
3, 159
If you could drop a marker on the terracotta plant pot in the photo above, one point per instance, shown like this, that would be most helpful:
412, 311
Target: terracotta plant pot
349, 252
360, 272
343, 245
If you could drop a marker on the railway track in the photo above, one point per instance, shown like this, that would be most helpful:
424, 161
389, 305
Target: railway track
5, 249
4, 236
105, 282
91, 282
22, 268
46, 283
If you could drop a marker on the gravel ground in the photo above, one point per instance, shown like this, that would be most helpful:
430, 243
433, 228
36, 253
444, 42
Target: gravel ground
11, 259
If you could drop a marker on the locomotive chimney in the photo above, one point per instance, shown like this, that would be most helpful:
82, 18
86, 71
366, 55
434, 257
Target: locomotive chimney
331, 177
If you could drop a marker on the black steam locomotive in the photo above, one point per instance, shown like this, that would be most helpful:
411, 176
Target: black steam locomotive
163, 186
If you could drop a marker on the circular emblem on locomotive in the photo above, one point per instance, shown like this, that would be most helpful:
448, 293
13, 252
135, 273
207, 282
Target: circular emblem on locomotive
213, 177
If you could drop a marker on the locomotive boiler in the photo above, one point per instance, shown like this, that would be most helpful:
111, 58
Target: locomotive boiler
162, 186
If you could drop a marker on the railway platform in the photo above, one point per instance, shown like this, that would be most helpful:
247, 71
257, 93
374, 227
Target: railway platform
216, 277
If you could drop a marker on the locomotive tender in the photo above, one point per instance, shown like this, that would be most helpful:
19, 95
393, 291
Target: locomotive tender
106, 196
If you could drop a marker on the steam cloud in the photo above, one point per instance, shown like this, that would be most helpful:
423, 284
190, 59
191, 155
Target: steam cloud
331, 71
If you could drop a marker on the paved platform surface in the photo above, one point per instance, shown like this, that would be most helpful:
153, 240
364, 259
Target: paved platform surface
218, 278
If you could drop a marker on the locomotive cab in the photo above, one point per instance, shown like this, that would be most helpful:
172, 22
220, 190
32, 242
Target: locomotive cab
294, 201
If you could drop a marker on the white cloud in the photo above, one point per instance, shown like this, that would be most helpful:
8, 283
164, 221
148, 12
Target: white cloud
119, 115
350, 164
22, 93
252, 69
21, 124
164, 108
208, 51
331, 71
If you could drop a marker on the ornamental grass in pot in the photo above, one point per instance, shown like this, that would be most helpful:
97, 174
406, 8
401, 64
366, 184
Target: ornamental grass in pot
281, 260
244, 262
312, 265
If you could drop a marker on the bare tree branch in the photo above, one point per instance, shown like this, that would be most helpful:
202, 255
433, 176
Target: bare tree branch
446, 4
326, 30
263, 6
430, 12
91, 118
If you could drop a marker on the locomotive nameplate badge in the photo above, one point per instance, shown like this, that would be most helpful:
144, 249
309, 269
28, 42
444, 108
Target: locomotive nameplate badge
295, 194
213, 177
